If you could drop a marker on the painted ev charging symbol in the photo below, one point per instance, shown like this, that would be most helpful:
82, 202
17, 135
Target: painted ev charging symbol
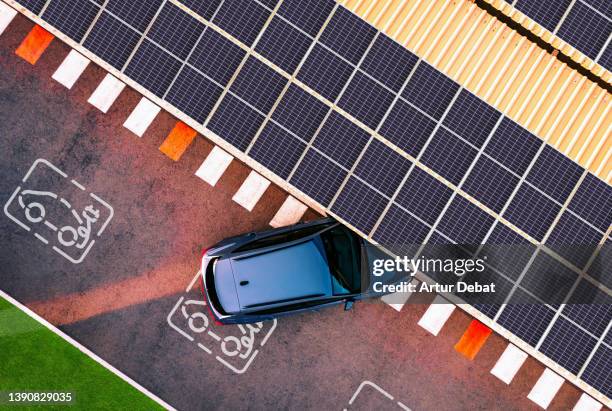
58, 211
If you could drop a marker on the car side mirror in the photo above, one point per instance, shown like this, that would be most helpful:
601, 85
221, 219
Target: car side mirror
348, 305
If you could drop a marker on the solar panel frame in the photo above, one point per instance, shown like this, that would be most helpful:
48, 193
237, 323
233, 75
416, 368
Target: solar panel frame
112, 40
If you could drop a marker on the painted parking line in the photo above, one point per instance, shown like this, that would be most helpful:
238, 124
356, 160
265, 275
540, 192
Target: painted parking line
546, 388
509, 363
106, 93
473, 339
177, 141
7, 14
142, 116
436, 315
587, 403
398, 300
213, 167
34, 44
289, 213
71, 69
251, 190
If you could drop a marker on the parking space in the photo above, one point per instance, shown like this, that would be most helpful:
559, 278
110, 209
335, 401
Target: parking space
133, 298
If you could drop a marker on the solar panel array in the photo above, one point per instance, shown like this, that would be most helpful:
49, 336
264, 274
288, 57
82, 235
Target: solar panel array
584, 24
383, 141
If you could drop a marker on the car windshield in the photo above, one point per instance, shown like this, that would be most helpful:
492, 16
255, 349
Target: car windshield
342, 248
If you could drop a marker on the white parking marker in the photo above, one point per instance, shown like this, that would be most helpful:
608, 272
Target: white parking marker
290, 213
141, 117
71, 69
7, 14
587, 403
509, 363
436, 315
546, 388
214, 166
107, 92
251, 190
398, 299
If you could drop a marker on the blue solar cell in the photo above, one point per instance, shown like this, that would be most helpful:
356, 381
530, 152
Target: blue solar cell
471, 118
35, 6
547, 13
111, 40
258, 84
407, 128
153, 68
277, 150
325, 72
389, 62
366, 100
300, 112
554, 174
137, 14
341, 139
400, 232
205, 9
194, 94
513, 146
593, 202
448, 156
283, 45
309, 15
423, 195
604, 6
599, 373
382, 167
606, 58
71, 17
430, 90
590, 307
216, 56
507, 251
176, 31
548, 279
348, 35
573, 239
465, 223
490, 184
568, 345
359, 205
585, 29
243, 19
318, 177
526, 317
532, 212
235, 122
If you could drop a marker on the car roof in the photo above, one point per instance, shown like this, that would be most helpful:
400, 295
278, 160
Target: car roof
281, 275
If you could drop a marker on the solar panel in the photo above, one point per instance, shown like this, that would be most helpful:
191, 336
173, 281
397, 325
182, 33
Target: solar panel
111, 40
71, 17
35, 6
339, 161
568, 345
547, 13
599, 373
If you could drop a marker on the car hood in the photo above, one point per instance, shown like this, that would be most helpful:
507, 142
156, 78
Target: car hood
279, 275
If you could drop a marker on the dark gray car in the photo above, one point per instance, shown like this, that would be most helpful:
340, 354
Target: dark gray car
260, 276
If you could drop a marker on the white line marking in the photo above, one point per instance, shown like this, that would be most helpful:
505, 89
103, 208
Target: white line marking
141, 117
509, 363
85, 351
7, 14
398, 299
289, 213
436, 315
546, 388
213, 167
587, 403
251, 190
107, 92
71, 69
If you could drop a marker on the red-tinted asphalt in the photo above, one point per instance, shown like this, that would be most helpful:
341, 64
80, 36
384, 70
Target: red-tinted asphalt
117, 302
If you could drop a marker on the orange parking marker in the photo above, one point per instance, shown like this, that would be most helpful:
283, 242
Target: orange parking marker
177, 141
473, 339
34, 45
